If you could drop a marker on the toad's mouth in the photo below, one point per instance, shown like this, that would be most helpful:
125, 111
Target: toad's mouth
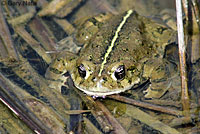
101, 92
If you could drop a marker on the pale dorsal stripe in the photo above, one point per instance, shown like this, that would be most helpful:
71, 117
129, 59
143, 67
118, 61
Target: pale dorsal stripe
114, 39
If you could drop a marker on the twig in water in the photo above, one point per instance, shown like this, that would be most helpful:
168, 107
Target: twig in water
182, 59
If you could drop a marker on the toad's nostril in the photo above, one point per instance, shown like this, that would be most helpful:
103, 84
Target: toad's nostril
104, 78
94, 79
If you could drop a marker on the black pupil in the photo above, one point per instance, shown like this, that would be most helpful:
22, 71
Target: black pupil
120, 72
82, 71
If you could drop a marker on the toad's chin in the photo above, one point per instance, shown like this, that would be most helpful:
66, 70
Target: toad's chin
102, 91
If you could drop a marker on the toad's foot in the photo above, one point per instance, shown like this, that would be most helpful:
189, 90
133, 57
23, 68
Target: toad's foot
161, 73
157, 90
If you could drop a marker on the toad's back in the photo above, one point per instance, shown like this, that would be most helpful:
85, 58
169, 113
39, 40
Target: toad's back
127, 37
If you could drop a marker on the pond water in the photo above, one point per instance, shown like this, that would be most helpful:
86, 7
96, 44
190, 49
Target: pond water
37, 83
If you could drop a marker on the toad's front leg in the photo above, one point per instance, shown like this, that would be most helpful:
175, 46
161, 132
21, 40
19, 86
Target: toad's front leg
59, 66
160, 72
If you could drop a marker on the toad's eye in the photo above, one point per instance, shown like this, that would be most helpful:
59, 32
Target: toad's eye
82, 71
120, 72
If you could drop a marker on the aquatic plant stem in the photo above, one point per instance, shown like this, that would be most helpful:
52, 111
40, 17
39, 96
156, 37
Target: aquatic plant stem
182, 59
19, 109
7, 49
196, 12
145, 105
185, 8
